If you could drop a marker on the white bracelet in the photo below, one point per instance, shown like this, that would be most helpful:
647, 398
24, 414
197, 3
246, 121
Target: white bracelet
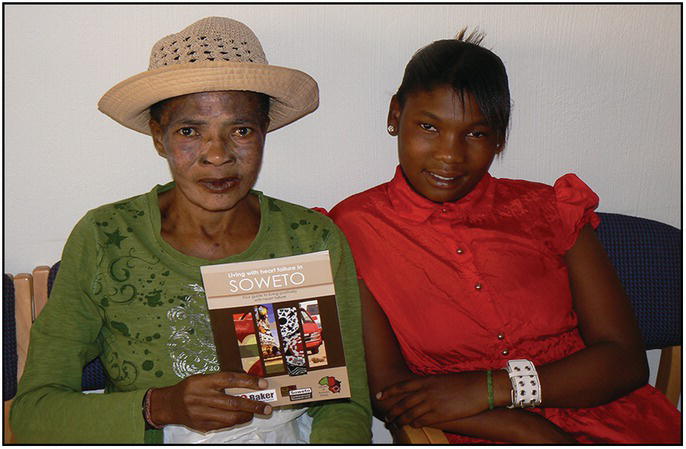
526, 387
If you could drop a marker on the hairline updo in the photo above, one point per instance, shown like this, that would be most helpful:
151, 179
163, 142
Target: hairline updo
467, 67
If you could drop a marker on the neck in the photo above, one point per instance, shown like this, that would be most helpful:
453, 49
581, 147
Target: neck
206, 234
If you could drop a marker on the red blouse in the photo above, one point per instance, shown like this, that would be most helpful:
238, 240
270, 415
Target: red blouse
470, 284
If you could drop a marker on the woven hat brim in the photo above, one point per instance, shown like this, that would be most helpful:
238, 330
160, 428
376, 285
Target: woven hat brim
293, 93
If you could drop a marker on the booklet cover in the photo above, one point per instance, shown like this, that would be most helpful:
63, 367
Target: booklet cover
278, 319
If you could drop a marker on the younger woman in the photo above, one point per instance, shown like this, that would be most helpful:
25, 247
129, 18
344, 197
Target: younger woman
464, 276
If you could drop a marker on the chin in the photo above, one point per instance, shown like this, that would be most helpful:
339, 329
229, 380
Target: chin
217, 203
221, 206
441, 196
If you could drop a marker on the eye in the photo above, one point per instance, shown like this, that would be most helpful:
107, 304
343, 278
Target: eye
243, 131
477, 134
427, 127
188, 132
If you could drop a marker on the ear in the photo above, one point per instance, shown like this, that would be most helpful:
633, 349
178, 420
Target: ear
157, 133
394, 114
500, 147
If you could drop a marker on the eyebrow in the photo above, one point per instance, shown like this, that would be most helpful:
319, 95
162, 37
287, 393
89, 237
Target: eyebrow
195, 122
429, 114
191, 122
482, 122
243, 121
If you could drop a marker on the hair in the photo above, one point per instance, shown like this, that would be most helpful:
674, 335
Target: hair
469, 68
157, 109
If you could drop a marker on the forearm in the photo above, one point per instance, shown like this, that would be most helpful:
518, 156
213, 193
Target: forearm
55, 416
593, 376
508, 425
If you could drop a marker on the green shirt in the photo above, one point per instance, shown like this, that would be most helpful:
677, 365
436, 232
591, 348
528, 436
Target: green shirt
125, 295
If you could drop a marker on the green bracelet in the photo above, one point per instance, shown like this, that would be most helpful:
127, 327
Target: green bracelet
489, 385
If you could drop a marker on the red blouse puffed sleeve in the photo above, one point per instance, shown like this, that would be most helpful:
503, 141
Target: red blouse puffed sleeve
576, 204
321, 210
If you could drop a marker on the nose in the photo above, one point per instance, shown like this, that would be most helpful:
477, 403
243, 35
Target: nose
450, 149
218, 152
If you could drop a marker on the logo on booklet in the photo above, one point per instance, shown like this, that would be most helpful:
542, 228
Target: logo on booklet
300, 394
330, 383
264, 395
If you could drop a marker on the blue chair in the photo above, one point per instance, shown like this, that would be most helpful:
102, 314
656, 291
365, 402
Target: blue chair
93, 377
648, 258
9, 352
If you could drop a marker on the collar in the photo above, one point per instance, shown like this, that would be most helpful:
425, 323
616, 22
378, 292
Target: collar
411, 205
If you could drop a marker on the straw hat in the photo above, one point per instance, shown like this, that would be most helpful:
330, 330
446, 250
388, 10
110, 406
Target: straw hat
214, 53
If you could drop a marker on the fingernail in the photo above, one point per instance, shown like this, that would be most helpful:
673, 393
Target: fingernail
262, 383
378, 395
268, 410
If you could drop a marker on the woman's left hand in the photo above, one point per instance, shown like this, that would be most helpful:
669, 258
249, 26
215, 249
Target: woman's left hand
433, 399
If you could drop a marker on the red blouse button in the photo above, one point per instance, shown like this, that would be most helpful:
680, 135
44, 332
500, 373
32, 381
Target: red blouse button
505, 352
478, 286
459, 251
501, 336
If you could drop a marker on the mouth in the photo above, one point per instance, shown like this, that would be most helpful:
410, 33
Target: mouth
443, 179
219, 185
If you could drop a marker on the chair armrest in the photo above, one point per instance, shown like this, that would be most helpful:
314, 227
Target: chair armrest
669, 373
422, 435
40, 289
23, 288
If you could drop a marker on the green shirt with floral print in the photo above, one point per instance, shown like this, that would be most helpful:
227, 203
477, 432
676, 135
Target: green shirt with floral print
125, 295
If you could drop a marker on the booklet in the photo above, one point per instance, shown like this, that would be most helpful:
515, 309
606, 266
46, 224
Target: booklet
278, 319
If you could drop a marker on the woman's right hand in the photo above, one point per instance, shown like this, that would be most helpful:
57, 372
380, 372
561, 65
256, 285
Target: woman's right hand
200, 403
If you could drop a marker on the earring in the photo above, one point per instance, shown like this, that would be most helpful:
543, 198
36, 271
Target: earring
391, 129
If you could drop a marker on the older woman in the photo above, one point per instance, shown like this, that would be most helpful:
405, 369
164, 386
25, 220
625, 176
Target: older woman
129, 288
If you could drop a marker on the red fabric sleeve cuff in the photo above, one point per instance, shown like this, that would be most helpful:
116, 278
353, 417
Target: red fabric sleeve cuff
576, 204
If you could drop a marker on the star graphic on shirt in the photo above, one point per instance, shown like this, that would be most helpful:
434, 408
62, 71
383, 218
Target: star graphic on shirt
114, 238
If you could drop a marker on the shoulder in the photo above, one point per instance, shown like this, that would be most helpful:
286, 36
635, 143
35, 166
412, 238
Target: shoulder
514, 188
306, 230
116, 218
521, 199
556, 213
133, 206
359, 204
566, 185
293, 214
309, 227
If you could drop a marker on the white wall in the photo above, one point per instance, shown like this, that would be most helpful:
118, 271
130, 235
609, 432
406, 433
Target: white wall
596, 91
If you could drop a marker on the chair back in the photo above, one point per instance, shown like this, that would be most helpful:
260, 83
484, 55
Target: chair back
9, 340
647, 257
